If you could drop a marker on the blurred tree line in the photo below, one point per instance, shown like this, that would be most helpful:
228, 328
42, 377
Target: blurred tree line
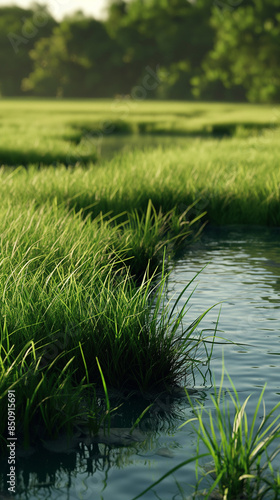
206, 49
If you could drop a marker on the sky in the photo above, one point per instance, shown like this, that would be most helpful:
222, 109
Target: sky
59, 8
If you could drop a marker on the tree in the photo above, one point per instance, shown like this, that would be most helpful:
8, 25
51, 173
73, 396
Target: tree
173, 34
246, 53
19, 31
77, 60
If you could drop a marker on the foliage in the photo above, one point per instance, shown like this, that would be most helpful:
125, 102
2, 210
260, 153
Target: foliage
76, 60
215, 50
168, 36
246, 50
20, 29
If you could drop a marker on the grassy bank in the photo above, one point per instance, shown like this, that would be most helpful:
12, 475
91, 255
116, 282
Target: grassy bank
69, 298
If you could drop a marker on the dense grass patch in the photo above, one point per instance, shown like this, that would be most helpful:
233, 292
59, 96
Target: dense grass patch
68, 298
235, 179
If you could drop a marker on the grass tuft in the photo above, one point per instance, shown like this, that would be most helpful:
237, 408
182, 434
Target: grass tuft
241, 467
240, 453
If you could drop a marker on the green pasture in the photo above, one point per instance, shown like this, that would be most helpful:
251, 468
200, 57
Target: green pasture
224, 157
84, 242
58, 131
235, 180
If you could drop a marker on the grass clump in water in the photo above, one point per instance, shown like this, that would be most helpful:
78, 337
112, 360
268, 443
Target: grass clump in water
239, 449
140, 342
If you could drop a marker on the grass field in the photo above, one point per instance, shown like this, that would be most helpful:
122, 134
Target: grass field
54, 131
78, 232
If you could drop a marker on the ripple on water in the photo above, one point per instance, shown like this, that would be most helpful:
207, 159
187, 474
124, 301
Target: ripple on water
243, 271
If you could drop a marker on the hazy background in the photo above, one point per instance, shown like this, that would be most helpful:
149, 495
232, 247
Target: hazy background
219, 50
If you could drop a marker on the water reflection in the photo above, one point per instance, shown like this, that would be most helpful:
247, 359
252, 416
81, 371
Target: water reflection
82, 466
243, 271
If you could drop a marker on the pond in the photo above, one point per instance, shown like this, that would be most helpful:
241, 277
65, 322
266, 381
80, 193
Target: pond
242, 270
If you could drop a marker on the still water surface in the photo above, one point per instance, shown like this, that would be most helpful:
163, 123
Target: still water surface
243, 271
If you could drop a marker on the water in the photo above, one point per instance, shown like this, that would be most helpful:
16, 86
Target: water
108, 147
243, 271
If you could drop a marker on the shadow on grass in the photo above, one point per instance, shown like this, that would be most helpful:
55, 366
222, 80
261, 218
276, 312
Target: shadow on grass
14, 158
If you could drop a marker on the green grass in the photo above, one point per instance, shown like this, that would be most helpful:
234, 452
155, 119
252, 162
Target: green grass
68, 298
234, 180
239, 450
53, 131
